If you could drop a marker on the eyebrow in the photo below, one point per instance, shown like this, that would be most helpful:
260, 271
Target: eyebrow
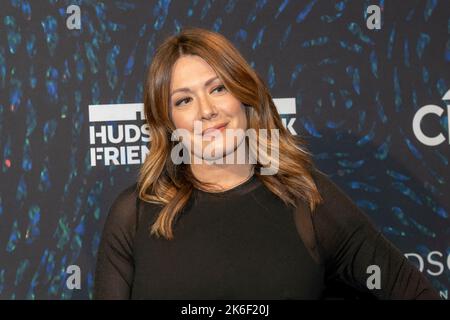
187, 89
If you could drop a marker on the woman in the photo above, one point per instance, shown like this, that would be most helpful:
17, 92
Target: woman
269, 227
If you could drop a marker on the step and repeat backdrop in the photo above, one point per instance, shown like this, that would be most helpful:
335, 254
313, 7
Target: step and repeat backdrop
365, 82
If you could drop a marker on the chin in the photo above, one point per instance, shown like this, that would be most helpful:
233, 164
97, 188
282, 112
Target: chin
216, 150
211, 150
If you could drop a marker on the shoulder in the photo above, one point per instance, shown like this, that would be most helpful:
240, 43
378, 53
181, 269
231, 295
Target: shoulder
124, 208
331, 193
129, 193
337, 208
328, 188
127, 197
340, 226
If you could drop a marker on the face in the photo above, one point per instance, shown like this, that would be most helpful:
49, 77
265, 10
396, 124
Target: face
205, 111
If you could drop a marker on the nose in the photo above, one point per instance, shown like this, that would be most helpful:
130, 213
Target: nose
207, 109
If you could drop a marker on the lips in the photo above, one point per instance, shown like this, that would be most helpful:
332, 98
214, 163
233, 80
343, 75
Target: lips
212, 129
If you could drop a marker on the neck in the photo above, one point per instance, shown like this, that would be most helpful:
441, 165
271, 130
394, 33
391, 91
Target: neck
224, 176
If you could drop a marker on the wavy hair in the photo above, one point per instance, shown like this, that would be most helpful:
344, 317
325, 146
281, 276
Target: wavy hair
162, 182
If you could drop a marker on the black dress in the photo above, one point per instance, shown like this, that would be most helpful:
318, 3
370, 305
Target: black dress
245, 243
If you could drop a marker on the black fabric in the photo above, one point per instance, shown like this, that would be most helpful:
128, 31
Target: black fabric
245, 243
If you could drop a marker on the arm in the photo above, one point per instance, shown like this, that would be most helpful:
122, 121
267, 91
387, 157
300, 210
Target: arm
349, 243
115, 267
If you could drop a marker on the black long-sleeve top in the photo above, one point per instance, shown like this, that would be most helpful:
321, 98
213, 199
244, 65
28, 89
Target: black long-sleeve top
245, 243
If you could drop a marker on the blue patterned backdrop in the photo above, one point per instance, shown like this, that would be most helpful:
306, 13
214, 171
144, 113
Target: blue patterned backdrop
356, 91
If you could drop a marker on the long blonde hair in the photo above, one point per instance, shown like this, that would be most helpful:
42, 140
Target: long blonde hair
162, 182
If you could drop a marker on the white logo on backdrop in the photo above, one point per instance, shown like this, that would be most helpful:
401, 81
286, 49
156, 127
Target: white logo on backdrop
119, 135
434, 263
431, 109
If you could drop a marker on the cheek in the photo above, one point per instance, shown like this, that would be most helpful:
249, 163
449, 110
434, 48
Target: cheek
181, 120
234, 109
240, 114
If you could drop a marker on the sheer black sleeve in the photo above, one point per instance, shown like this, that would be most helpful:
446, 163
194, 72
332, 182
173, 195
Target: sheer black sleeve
115, 268
349, 243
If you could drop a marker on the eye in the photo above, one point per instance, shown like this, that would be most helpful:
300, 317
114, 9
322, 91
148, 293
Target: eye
219, 87
180, 101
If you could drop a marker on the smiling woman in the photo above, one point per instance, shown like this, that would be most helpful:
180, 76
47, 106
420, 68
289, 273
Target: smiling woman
227, 230
205, 99
199, 77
